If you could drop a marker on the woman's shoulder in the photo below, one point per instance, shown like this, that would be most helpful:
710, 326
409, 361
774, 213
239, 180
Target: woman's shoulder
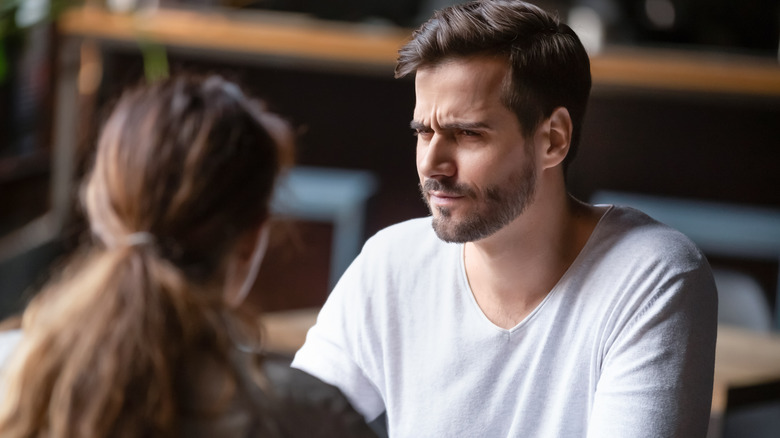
273, 400
308, 406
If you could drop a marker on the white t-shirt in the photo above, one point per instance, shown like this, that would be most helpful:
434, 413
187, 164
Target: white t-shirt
9, 340
623, 346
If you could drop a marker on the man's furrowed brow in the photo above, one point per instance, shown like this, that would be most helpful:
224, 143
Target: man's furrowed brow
464, 126
417, 125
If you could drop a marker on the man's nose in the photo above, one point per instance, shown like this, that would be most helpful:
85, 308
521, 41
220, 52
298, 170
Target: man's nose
435, 157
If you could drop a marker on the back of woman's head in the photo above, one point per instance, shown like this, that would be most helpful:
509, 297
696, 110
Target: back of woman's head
184, 168
191, 162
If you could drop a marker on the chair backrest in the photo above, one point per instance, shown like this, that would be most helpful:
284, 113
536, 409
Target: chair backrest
742, 301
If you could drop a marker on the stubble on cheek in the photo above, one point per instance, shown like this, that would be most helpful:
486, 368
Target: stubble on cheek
443, 211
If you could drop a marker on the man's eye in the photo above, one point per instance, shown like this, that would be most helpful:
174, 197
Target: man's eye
421, 132
468, 133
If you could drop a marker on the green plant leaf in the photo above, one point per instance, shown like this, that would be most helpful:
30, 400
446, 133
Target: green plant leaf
155, 60
3, 63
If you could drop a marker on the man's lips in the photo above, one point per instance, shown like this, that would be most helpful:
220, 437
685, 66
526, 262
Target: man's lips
441, 194
443, 198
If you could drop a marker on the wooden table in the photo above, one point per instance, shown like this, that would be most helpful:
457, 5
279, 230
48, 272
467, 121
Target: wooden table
747, 369
285, 331
743, 360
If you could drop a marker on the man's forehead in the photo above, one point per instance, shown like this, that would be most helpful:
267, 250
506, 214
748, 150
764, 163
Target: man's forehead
462, 105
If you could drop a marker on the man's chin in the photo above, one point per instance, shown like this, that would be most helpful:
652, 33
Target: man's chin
447, 231
449, 238
464, 230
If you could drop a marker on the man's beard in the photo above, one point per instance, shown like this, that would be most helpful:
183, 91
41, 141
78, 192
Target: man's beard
494, 208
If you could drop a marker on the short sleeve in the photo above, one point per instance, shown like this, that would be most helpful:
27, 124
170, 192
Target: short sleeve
657, 373
334, 345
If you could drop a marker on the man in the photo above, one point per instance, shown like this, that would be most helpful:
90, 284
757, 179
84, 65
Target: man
516, 310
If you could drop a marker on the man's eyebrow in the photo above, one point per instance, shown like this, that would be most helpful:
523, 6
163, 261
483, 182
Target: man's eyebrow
415, 125
466, 126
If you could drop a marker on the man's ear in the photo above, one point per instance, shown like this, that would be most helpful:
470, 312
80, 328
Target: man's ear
560, 132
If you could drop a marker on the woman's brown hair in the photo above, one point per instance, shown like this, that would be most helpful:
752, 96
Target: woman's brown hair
184, 168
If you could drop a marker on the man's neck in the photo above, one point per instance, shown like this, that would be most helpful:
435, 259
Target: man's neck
512, 271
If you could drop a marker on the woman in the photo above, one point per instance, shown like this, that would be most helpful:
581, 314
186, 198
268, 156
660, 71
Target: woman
142, 334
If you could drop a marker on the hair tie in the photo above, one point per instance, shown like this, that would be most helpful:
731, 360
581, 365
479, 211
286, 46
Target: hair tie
140, 238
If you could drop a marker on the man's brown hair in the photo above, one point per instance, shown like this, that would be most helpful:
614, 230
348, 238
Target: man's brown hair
549, 65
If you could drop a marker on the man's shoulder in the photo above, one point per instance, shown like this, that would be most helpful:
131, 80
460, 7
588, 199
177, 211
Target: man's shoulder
636, 235
634, 260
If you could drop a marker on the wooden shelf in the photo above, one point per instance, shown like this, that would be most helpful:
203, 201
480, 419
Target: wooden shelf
302, 38
672, 70
255, 33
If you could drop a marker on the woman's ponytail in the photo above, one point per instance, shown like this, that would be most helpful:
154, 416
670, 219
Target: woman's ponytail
106, 342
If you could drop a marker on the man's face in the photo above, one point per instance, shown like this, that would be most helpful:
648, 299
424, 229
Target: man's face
477, 172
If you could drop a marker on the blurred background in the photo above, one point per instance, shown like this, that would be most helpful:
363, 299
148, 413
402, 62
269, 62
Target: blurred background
684, 123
